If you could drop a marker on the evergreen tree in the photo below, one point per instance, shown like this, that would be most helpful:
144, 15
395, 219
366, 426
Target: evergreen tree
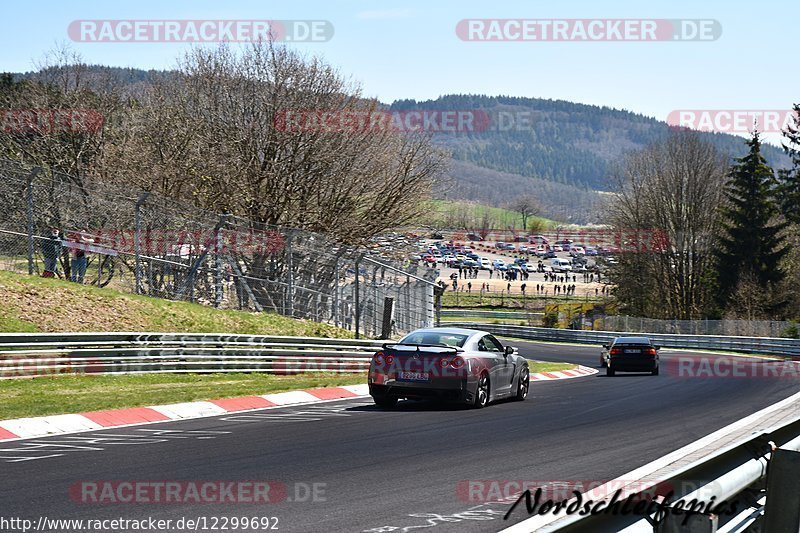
789, 188
751, 245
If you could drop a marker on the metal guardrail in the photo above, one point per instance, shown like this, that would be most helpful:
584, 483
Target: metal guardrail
39, 354
758, 472
754, 345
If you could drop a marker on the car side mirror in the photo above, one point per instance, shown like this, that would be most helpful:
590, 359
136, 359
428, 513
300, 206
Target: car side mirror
657, 347
605, 346
509, 350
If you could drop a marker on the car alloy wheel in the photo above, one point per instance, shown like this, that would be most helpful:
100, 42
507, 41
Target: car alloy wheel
524, 384
482, 391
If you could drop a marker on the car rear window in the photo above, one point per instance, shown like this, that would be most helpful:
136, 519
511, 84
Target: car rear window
449, 339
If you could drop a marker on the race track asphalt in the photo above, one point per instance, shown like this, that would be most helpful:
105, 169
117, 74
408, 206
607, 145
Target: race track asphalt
381, 471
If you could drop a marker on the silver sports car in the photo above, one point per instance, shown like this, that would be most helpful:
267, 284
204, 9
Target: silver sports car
452, 364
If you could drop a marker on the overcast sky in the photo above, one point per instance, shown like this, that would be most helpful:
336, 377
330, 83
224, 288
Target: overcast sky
411, 49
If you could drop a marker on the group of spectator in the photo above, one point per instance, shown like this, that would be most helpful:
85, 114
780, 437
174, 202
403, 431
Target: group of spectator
52, 249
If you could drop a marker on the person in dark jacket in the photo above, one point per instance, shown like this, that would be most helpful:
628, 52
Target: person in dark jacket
51, 250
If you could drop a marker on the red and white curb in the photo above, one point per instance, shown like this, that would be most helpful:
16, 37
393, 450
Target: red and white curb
577, 372
25, 428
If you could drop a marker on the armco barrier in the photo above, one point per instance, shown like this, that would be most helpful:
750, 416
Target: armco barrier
755, 345
757, 471
39, 354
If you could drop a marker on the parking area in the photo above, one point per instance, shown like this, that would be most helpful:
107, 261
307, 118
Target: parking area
534, 274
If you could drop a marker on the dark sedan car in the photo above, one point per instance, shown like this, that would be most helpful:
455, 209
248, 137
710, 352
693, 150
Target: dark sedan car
451, 364
630, 354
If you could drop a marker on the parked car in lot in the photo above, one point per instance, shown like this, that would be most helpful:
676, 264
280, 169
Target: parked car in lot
557, 248
630, 354
560, 265
497, 263
576, 251
485, 263
451, 364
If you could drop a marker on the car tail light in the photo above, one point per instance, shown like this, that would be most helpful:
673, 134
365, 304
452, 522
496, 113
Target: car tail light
457, 363
615, 351
443, 363
378, 358
650, 351
389, 359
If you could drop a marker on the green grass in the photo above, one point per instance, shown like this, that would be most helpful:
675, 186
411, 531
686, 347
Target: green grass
545, 366
501, 217
32, 304
77, 393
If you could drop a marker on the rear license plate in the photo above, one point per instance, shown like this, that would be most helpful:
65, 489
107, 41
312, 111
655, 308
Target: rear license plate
633, 351
413, 376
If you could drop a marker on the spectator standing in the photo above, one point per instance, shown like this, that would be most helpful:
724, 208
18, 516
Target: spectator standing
51, 250
79, 259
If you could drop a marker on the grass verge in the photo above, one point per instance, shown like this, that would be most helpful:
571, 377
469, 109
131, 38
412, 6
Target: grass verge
54, 395
546, 366
32, 304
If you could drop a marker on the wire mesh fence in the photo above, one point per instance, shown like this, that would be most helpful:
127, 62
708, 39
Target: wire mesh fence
737, 328
57, 225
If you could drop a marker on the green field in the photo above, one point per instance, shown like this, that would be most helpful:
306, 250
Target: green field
502, 218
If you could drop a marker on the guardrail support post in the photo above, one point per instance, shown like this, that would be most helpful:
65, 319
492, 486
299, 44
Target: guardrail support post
781, 512
695, 523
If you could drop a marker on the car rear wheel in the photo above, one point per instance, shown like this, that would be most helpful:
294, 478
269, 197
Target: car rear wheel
655, 371
482, 391
524, 384
609, 370
385, 401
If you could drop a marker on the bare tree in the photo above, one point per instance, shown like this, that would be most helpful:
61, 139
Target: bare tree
216, 131
665, 207
527, 206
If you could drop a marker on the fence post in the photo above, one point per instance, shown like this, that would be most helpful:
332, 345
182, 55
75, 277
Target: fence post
31, 176
218, 262
336, 293
357, 302
289, 276
137, 241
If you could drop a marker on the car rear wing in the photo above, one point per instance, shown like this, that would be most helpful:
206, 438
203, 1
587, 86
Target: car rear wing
391, 346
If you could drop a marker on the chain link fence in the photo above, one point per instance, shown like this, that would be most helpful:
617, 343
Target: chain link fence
737, 328
150, 245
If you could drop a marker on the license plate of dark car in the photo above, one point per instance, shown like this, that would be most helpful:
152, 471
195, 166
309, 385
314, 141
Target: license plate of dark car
633, 351
413, 376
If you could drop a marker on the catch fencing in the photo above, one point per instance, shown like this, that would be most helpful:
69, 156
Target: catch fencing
44, 354
745, 328
146, 244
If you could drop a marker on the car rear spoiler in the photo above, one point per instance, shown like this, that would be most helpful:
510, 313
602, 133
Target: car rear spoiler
456, 349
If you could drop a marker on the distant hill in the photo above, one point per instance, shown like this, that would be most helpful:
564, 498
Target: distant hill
567, 143
562, 157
